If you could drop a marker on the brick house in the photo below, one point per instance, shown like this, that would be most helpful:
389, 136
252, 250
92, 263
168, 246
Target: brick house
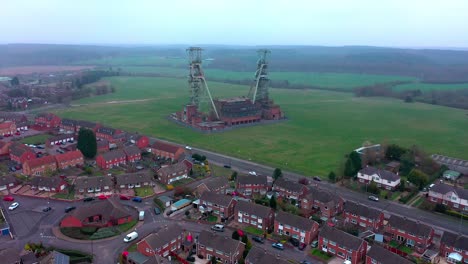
450, 196
411, 233
218, 185
303, 229
258, 255
39, 166
219, 204
63, 138
383, 178
327, 203
68, 126
135, 257
8, 182
73, 126
69, 159
380, 255
167, 239
108, 133
133, 153
102, 146
258, 216
289, 189
363, 216
136, 180
166, 150
342, 244
5, 148
454, 247
20, 153
224, 249
249, 185
103, 213
7, 127
94, 184
141, 141
48, 184
48, 120
172, 173
20, 120
111, 159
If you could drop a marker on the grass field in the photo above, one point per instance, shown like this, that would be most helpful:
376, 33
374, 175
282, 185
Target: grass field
322, 125
135, 60
424, 87
37, 139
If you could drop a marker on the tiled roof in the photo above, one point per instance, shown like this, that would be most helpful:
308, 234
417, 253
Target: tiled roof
408, 225
132, 150
10, 255
85, 124
253, 209
102, 143
295, 221
124, 179
260, 179
159, 145
259, 255
383, 256
216, 183
114, 154
455, 240
51, 182
341, 238
321, 195
443, 188
174, 168
106, 130
219, 199
68, 122
67, 156
361, 210
289, 185
6, 125
85, 182
19, 149
110, 208
48, 116
384, 174
46, 160
163, 236
221, 243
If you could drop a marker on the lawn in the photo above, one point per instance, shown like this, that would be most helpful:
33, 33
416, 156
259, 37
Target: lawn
127, 226
320, 254
418, 202
253, 230
322, 126
181, 182
424, 87
144, 191
67, 196
212, 219
395, 195
220, 171
37, 139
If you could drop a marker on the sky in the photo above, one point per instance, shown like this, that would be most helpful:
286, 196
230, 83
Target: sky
390, 23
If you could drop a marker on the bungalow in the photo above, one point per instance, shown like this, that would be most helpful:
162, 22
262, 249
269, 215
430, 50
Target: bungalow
258, 216
133, 153
384, 179
130, 181
220, 204
5, 148
259, 255
448, 195
303, 229
248, 185
69, 159
40, 166
363, 216
342, 244
108, 133
20, 153
7, 128
289, 189
223, 249
8, 182
327, 203
380, 255
219, 185
412, 233
172, 173
167, 239
59, 139
111, 159
85, 184
48, 184
102, 146
102, 213
166, 150
141, 141
48, 120
454, 247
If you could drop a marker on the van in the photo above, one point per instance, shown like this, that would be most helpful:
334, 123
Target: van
141, 216
130, 237
430, 186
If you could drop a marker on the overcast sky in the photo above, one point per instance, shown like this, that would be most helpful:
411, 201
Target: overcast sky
408, 23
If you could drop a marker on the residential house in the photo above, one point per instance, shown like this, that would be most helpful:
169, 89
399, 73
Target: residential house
103, 213
223, 249
111, 159
166, 150
218, 185
20, 153
393, 166
68, 126
56, 257
383, 178
249, 185
172, 173
454, 197
342, 244
135, 257
256, 215
303, 229
94, 184
363, 216
258, 255
20, 120
167, 239
412, 233
219, 204
18, 103
289, 189
380, 255
69, 159
5, 148
48, 120
327, 203
133, 153
454, 247
110, 134
7, 128
102, 146
40, 166
141, 141
8, 182
135, 180
59, 139
48, 184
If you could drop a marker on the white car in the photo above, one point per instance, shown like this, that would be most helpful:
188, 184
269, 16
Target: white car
130, 237
253, 173
188, 147
13, 206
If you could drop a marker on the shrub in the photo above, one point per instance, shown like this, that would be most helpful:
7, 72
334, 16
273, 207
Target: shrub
158, 202
103, 233
440, 208
89, 230
456, 214
169, 187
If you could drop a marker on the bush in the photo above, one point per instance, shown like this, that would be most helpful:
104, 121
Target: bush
456, 214
405, 199
104, 233
169, 187
89, 230
159, 203
440, 208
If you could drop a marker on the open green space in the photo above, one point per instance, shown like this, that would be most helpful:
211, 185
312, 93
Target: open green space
37, 139
322, 126
144, 191
117, 61
425, 87
212, 219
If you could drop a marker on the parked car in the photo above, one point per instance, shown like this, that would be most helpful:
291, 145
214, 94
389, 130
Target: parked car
218, 227
18, 167
294, 242
305, 262
102, 197
157, 211
69, 209
253, 173
302, 246
8, 198
316, 178
17, 133
130, 237
137, 199
124, 197
258, 239
278, 246
188, 147
314, 243
374, 198
13, 206
12, 169
139, 167
227, 166
88, 199
46, 209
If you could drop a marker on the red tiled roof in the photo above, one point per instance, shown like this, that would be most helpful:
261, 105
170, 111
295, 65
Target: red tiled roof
19, 149
165, 147
41, 161
71, 155
6, 125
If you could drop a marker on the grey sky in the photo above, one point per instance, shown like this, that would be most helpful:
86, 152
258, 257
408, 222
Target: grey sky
429, 23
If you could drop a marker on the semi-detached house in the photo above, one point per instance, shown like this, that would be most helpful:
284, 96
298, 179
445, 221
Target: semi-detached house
342, 244
96, 184
256, 215
450, 196
409, 232
219, 204
167, 239
363, 216
454, 247
223, 249
249, 185
303, 229
383, 178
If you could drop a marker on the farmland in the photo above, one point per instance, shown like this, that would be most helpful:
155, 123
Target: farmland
425, 87
322, 125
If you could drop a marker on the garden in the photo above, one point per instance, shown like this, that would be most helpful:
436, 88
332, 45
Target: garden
95, 233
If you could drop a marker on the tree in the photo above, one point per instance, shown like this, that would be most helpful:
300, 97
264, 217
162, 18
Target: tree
406, 163
14, 81
273, 204
408, 99
277, 173
418, 178
440, 208
332, 176
401, 187
356, 160
373, 188
349, 168
303, 181
394, 152
235, 235
234, 176
213, 260
87, 143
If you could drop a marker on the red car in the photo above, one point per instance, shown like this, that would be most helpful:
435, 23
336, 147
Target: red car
8, 198
18, 133
331, 224
124, 197
102, 197
6, 135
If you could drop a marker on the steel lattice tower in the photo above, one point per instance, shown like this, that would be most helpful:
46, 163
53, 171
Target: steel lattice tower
197, 83
259, 91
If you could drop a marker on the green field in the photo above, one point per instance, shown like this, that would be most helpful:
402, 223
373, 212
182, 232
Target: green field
322, 125
135, 60
424, 87
37, 139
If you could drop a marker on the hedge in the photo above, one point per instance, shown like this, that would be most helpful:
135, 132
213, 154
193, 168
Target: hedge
88, 230
104, 233
159, 203
408, 197
456, 214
